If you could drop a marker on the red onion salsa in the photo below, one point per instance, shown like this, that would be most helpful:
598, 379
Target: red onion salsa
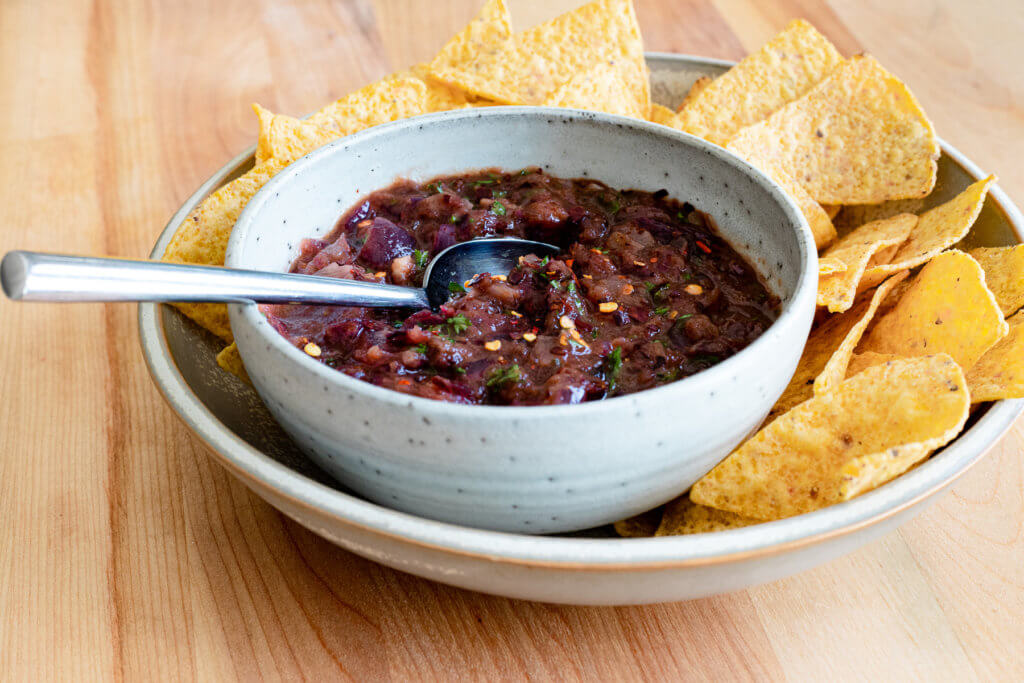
644, 292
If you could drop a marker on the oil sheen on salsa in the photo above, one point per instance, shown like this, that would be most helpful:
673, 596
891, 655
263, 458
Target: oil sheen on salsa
643, 293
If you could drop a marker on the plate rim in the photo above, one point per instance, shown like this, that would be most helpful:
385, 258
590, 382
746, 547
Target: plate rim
258, 470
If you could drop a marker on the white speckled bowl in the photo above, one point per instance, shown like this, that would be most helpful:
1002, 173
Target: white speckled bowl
527, 469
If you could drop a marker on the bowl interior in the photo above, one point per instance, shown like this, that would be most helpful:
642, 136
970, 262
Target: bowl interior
225, 410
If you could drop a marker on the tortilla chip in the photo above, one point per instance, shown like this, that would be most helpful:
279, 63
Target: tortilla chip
784, 69
937, 230
663, 115
286, 138
862, 361
488, 32
858, 137
203, 238
230, 360
827, 350
946, 309
837, 290
999, 373
391, 99
695, 89
821, 226
640, 526
819, 453
611, 87
830, 266
1004, 275
683, 516
832, 210
533, 64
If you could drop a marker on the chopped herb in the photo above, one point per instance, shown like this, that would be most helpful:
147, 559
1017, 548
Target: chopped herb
478, 183
498, 209
613, 363
459, 323
544, 261
661, 311
571, 288
669, 376
680, 216
420, 348
684, 317
499, 193
434, 188
460, 371
593, 334
453, 219
397, 324
421, 258
503, 375
494, 177
524, 171
456, 288
615, 206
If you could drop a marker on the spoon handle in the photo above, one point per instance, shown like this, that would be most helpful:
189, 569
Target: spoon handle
33, 276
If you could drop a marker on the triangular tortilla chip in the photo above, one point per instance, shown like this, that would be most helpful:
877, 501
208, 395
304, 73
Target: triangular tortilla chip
683, 516
830, 266
999, 373
837, 291
1004, 274
858, 137
937, 229
229, 359
783, 70
946, 309
533, 64
388, 100
487, 33
609, 87
834, 446
287, 138
639, 526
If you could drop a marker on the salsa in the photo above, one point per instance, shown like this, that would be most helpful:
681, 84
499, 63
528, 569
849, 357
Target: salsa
643, 292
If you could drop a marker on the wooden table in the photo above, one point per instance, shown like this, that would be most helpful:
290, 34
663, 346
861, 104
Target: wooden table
125, 552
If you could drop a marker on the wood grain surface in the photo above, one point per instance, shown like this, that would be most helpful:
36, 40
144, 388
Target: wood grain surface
126, 553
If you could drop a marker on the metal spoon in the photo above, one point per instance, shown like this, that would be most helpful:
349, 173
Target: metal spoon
33, 276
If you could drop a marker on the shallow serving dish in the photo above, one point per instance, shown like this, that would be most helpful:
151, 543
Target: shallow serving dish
538, 469
586, 568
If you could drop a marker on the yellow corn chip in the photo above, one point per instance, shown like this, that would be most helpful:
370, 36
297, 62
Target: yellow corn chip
203, 237
230, 360
818, 453
683, 516
999, 373
1004, 274
946, 309
388, 100
783, 70
832, 210
827, 350
610, 87
837, 291
639, 526
937, 229
663, 115
821, 226
286, 138
695, 89
862, 361
488, 32
533, 64
858, 137
830, 266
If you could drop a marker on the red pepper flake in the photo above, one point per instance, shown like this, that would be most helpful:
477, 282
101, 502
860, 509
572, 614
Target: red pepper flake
568, 262
404, 382
654, 259
703, 247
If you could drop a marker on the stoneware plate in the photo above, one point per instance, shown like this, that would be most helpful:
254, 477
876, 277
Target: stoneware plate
592, 567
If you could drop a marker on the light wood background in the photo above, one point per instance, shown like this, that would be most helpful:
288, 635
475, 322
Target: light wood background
125, 553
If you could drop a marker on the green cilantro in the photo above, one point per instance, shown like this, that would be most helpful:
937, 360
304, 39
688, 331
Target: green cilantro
669, 376
420, 348
397, 324
544, 261
460, 371
661, 311
456, 288
499, 193
434, 188
422, 258
613, 363
453, 219
503, 375
478, 183
459, 323
571, 288
684, 317
498, 209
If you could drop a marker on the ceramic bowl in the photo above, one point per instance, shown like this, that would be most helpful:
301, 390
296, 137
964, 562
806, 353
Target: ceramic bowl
534, 469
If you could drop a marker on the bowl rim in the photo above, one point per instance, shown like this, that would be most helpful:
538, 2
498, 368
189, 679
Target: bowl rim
259, 471
743, 362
